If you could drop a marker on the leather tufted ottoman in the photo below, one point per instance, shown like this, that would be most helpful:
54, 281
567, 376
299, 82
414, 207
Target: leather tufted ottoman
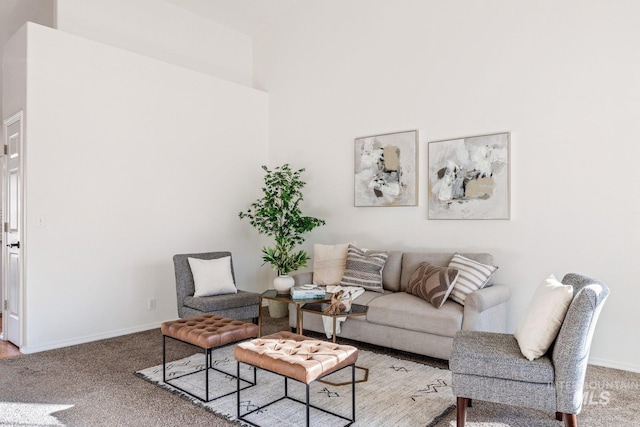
206, 332
299, 358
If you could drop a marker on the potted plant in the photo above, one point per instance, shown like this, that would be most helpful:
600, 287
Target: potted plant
278, 214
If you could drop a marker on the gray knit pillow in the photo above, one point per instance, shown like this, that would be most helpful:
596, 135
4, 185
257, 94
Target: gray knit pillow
432, 283
363, 269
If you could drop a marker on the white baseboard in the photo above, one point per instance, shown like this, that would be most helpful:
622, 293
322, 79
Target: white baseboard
632, 367
88, 338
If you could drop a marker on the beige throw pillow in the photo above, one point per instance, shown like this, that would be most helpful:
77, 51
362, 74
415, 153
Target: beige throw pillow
432, 283
540, 325
328, 263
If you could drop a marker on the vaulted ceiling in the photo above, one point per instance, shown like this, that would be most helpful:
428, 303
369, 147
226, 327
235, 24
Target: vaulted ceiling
246, 16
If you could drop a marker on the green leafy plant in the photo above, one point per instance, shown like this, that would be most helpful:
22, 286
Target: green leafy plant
278, 214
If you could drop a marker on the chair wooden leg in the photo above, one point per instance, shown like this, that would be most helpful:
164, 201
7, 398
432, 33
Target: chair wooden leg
570, 420
559, 416
461, 410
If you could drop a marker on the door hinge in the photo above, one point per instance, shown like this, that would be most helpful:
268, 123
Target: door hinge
6, 304
6, 149
6, 227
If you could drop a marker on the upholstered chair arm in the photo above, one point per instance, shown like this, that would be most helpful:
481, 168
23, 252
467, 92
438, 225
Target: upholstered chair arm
486, 309
570, 353
184, 281
302, 278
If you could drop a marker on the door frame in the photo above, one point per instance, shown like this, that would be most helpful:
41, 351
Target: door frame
18, 117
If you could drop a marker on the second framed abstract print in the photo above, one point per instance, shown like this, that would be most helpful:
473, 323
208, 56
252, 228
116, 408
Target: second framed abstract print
469, 178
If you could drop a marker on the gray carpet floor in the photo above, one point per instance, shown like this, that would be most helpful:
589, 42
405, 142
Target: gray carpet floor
98, 380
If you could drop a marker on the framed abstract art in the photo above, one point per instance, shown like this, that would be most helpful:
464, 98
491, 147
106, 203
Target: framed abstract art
469, 177
386, 169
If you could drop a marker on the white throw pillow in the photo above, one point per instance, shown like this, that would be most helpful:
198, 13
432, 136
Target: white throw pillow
540, 325
328, 263
473, 276
212, 276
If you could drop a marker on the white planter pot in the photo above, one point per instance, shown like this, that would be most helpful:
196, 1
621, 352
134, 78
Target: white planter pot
283, 283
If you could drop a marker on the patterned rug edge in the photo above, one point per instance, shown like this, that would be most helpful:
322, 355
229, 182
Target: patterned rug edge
442, 416
232, 418
188, 398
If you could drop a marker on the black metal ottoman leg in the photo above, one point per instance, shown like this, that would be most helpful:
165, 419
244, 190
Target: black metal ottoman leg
164, 358
307, 405
238, 389
207, 352
353, 393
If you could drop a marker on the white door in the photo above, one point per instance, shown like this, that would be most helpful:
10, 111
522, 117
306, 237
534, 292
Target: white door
11, 259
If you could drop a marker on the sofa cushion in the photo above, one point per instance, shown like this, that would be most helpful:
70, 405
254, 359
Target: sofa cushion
406, 311
367, 297
391, 271
221, 302
363, 269
432, 283
488, 354
474, 275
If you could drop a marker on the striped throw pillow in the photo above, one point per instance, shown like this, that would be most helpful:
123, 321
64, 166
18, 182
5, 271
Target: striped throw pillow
432, 283
364, 269
473, 276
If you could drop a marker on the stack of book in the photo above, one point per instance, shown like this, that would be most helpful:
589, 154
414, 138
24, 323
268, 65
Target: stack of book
307, 292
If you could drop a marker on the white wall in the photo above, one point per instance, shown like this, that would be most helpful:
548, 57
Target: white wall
13, 15
130, 160
562, 77
161, 30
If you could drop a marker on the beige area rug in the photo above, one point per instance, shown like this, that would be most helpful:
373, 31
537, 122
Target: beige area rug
396, 393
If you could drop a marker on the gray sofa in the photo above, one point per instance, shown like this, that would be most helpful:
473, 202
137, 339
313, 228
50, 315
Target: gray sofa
402, 321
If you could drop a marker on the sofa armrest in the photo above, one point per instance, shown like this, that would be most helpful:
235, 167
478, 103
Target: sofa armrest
303, 278
486, 298
486, 309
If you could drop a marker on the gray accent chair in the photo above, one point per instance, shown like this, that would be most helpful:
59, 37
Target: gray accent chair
489, 366
240, 306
